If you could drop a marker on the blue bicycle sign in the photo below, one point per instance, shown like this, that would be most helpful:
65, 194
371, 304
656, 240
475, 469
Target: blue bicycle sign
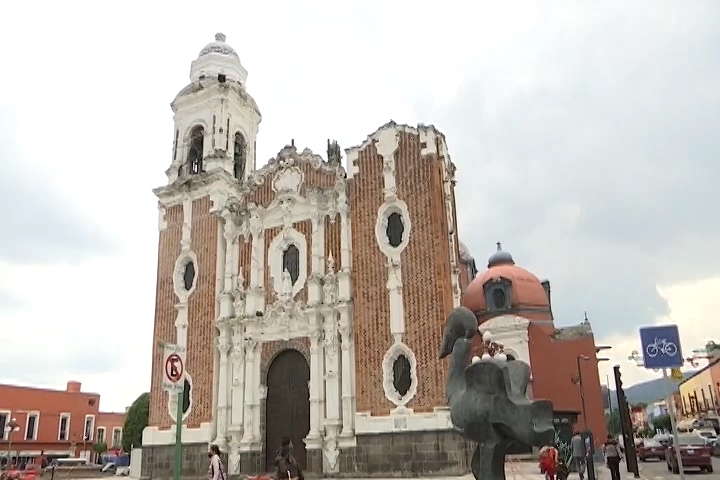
661, 347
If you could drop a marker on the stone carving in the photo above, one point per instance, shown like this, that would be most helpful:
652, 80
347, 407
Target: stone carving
288, 180
286, 288
330, 283
487, 400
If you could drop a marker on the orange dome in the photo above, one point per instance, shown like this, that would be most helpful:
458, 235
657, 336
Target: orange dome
506, 286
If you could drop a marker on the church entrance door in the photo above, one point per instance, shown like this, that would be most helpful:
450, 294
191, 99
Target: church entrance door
287, 412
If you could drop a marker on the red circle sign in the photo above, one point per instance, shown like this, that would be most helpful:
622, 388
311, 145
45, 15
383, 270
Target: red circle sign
174, 367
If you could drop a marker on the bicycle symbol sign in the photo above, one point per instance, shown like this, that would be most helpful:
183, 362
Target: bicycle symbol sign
661, 347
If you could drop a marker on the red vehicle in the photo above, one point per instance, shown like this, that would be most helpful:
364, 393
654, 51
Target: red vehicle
694, 451
650, 448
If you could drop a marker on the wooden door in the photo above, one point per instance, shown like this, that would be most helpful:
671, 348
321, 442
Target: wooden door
287, 412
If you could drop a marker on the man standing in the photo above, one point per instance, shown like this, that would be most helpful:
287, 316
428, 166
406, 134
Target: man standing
577, 446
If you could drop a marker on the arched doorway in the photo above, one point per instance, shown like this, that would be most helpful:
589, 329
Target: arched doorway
287, 411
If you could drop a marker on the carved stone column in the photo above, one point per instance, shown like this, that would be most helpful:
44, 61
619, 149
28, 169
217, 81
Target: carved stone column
250, 381
348, 416
316, 383
237, 357
332, 374
230, 265
223, 346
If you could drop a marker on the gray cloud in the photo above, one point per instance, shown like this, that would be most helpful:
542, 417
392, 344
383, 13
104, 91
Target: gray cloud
39, 226
605, 177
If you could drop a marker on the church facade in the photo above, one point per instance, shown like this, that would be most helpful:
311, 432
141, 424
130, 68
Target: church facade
310, 295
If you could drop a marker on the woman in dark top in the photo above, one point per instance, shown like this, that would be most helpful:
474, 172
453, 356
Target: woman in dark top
287, 466
612, 457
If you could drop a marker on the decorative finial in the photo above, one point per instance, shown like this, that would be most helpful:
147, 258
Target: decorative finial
220, 37
499, 247
586, 319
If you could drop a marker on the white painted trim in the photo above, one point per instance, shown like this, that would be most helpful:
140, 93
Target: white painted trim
35, 414
288, 236
172, 400
104, 435
8, 417
155, 436
385, 210
64, 416
408, 421
112, 440
92, 427
178, 273
393, 353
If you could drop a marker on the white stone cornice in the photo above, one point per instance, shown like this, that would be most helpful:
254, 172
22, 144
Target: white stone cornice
219, 185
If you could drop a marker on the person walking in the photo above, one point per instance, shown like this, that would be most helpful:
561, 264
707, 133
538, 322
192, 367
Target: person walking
549, 461
612, 457
577, 445
216, 470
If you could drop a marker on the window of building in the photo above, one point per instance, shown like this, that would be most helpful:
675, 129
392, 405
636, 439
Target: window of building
101, 435
186, 398
89, 427
239, 156
189, 275
395, 229
401, 375
4, 420
31, 426
117, 437
291, 262
64, 427
195, 151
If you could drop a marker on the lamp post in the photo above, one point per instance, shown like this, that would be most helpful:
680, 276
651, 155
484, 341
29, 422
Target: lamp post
11, 427
582, 358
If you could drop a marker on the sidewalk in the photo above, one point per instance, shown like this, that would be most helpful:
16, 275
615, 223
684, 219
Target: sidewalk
530, 471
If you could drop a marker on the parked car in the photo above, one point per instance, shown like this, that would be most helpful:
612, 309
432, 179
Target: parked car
650, 448
714, 448
694, 453
708, 434
662, 438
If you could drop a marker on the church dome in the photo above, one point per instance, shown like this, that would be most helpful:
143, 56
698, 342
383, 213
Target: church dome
504, 286
218, 60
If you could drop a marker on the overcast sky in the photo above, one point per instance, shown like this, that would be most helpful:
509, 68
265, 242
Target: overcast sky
582, 132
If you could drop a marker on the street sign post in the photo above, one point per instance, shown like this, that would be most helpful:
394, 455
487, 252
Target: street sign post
174, 384
661, 350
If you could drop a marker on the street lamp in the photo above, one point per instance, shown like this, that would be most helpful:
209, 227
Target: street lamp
11, 427
583, 358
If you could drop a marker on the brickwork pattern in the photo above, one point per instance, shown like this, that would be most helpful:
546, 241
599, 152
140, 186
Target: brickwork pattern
427, 286
202, 312
332, 241
263, 194
371, 311
244, 260
165, 313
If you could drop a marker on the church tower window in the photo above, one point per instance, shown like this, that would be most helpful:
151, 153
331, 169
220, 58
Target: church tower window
195, 151
401, 375
189, 275
395, 229
291, 262
239, 156
186, 397
499, 298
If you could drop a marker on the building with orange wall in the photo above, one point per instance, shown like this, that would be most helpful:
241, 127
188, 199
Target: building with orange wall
54, 423
109, 430
700, 393
514, 307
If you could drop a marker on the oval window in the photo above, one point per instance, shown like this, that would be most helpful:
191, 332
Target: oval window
186, 396
189, 275
401, 375
395, 229
499, 298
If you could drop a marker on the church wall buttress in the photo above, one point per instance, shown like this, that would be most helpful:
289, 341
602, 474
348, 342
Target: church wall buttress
425, 267
370, 305
202, 312
164, 330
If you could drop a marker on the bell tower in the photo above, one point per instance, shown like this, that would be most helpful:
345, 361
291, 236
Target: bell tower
216, 120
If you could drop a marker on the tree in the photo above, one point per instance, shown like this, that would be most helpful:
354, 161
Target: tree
612, 421
136, 420
99, 448
662, 422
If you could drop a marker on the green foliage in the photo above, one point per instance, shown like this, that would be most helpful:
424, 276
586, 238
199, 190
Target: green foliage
612, 422
100, 448
136, 420
662, 422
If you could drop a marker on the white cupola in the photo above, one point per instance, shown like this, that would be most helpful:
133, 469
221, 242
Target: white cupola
218, 58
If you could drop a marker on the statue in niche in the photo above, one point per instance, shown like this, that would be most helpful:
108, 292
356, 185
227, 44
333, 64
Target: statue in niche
286, 286
334, 153
488, 401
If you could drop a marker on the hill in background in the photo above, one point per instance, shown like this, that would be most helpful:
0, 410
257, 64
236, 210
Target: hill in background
645, 392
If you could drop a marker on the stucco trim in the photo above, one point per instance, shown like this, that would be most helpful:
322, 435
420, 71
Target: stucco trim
384, 212
395, 351
178, 281
172, 401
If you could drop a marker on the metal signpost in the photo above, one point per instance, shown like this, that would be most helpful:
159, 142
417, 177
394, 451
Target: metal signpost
661, 350
174, 383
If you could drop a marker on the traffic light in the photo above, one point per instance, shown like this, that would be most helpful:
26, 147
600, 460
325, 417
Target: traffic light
626, 424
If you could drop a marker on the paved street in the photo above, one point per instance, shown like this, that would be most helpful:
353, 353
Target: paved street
657, 470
